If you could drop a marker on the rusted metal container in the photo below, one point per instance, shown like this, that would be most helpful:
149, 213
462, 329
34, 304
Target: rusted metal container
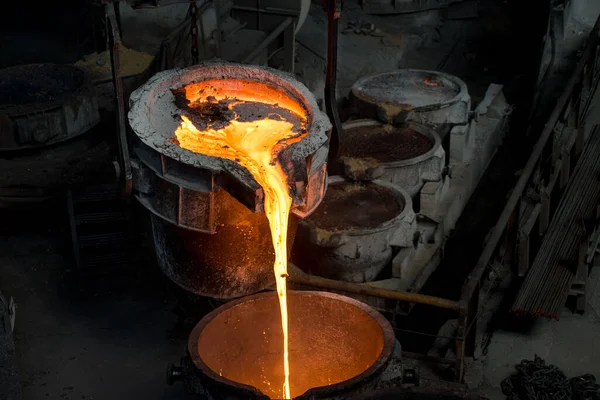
373, 150
350, 236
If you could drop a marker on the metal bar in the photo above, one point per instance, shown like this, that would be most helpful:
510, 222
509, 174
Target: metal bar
470, 331
460, 342
523, 254
333, 16
524, 236
544, 218
491, 244
510, 245
268, 40
114, 41
356, 288
594, 80
268, 10
161, 3
312, 51
289, 48
117, 9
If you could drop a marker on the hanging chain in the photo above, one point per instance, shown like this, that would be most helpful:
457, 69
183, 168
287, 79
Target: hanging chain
194, 30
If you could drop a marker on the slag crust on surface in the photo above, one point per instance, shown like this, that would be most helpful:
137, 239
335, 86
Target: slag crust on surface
154, 115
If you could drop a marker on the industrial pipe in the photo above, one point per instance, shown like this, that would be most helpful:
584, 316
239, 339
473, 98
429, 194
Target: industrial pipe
355, 288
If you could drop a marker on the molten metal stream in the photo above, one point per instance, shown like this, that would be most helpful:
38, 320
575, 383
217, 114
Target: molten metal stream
254, 145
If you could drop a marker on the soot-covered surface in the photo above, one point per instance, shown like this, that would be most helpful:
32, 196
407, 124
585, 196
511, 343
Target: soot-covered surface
413, 88
385, 143
217, 114
38, 83
350, 205
109, 339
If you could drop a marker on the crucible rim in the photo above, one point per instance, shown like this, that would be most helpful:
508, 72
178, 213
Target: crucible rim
422, 129
462, 89
397, 192
389, 342
160, 84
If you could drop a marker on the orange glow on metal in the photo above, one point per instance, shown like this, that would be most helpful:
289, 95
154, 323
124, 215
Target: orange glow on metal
430, 82
254, 145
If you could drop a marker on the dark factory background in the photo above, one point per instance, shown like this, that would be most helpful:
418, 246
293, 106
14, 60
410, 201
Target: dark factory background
443, 221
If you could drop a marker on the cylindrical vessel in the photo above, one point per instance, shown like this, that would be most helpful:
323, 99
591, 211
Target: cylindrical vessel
235, 261
431, 98
210, 233
337, 346
351, 234
44, 104
407, 155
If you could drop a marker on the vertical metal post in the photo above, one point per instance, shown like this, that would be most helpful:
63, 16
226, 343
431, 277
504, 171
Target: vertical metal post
333, 9
289, 48
460, 342
523, 254
471, 325
114, 44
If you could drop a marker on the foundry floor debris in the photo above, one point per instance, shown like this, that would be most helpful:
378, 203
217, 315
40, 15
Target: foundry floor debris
536, 380
570, 343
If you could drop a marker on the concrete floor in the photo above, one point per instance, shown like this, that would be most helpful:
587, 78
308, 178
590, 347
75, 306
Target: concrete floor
113, 343
570, 343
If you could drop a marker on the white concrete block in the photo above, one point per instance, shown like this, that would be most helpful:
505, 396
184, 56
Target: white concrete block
430, 196
458, 142
403, 235
462, 140
402, 262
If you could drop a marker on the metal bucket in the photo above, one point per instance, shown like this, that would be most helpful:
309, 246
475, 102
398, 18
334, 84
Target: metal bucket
337, 345
354, 253
410, 174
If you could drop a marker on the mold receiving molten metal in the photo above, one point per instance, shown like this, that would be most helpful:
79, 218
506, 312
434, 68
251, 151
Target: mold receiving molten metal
249, 122
338, 345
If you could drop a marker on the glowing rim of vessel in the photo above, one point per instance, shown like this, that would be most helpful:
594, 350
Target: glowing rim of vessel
389, 343
154, 100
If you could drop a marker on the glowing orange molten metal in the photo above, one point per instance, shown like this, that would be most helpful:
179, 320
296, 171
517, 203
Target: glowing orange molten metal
253, 143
